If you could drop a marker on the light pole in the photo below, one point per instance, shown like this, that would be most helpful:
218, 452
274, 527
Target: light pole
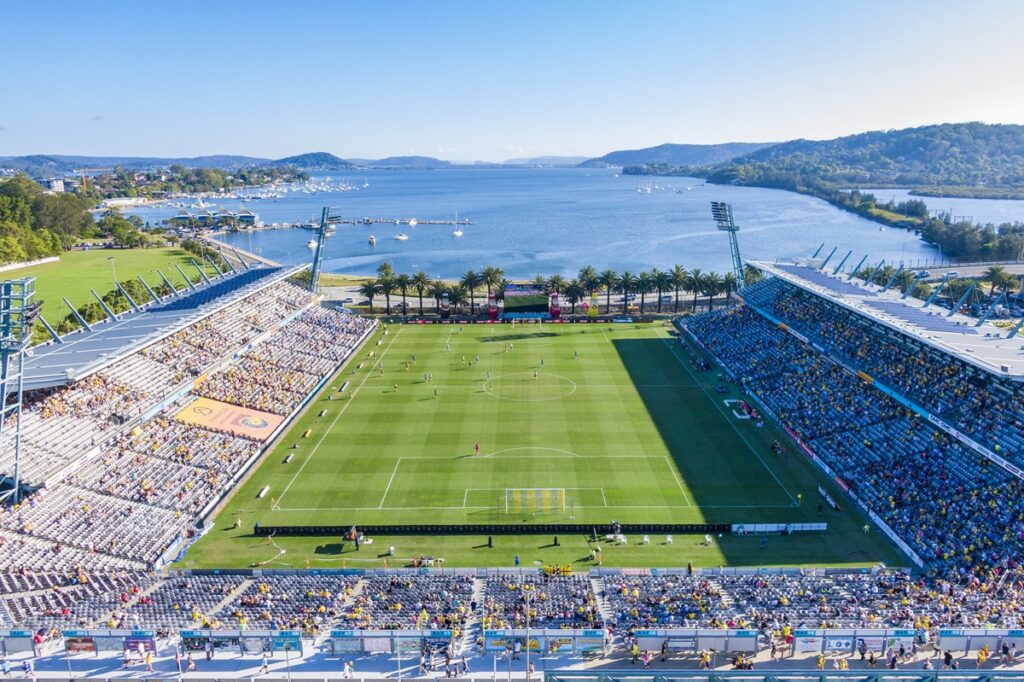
526, 595
287, 660
113, 269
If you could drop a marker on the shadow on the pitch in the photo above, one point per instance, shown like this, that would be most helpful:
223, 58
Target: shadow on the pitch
332, 548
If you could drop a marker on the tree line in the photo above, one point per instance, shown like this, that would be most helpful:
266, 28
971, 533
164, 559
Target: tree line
588, 282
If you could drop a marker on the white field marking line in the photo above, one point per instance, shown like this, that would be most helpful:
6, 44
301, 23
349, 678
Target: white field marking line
478, 383
679, 482
672, 349
352, 396
565, 453
390, 481
489, 388
579, 506
604, 497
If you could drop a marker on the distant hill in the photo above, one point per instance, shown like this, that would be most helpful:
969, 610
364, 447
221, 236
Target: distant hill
676, 154
548, 161
402, 163
322, 161
936, 156
61, 164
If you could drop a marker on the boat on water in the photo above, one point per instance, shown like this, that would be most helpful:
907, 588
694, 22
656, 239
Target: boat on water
372, 240
412, 222
401, 236
457, 232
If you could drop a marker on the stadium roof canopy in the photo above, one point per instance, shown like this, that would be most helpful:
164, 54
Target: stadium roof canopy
985, 347
84, 352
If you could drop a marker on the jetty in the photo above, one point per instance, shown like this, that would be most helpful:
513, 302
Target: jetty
385, 221
228, 251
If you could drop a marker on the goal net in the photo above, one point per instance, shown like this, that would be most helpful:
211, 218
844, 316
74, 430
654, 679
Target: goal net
535, 500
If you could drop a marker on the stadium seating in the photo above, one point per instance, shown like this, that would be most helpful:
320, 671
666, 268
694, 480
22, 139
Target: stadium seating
140, 491
400, 602
554, 602
987, 408
954, 508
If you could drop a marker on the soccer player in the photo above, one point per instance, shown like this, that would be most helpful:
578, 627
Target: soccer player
476, 448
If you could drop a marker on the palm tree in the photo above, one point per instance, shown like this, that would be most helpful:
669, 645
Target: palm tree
420, 282
499, 291
385, 269
403, 281
955, 288
679, 277
556, 283
369, 289
711, 285
457, 296
587, 277
662, 283
882, 275
575, 290
904, 280
696, 277
540, 282
626, 286
729, 285
994, 276
752, 275
644, 285
608, 280
492, 277
386, 285
437, 289
471, 281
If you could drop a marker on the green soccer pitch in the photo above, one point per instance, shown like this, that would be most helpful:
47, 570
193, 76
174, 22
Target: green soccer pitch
613, 415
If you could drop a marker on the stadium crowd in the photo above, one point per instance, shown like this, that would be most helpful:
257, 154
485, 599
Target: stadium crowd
957, 510
991, 410
551, 601
118, 493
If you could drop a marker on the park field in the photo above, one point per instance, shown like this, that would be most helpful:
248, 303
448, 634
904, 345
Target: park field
611, 420
79, 271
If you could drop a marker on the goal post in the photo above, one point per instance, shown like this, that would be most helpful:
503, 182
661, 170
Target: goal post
535, 500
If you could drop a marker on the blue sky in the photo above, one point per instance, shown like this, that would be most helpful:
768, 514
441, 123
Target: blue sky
491, 80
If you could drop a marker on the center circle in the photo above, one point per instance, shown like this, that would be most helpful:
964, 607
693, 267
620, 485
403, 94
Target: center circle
530, 387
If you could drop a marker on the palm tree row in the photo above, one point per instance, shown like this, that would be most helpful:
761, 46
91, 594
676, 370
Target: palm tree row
387, 284
587, 283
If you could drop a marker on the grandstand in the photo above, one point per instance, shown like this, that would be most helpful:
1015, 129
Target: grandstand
921, 429
119, 479
917, 417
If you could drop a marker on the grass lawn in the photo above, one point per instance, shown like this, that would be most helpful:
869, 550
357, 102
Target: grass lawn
896, 217
79, 271
626, 429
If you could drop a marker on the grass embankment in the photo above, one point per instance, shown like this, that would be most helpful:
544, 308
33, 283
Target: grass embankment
626, 428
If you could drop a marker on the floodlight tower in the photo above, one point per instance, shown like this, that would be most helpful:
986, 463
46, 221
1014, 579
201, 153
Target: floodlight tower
722, 213
17, 314
327, 221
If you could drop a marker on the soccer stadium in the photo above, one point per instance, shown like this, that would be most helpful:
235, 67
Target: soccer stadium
819, 472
